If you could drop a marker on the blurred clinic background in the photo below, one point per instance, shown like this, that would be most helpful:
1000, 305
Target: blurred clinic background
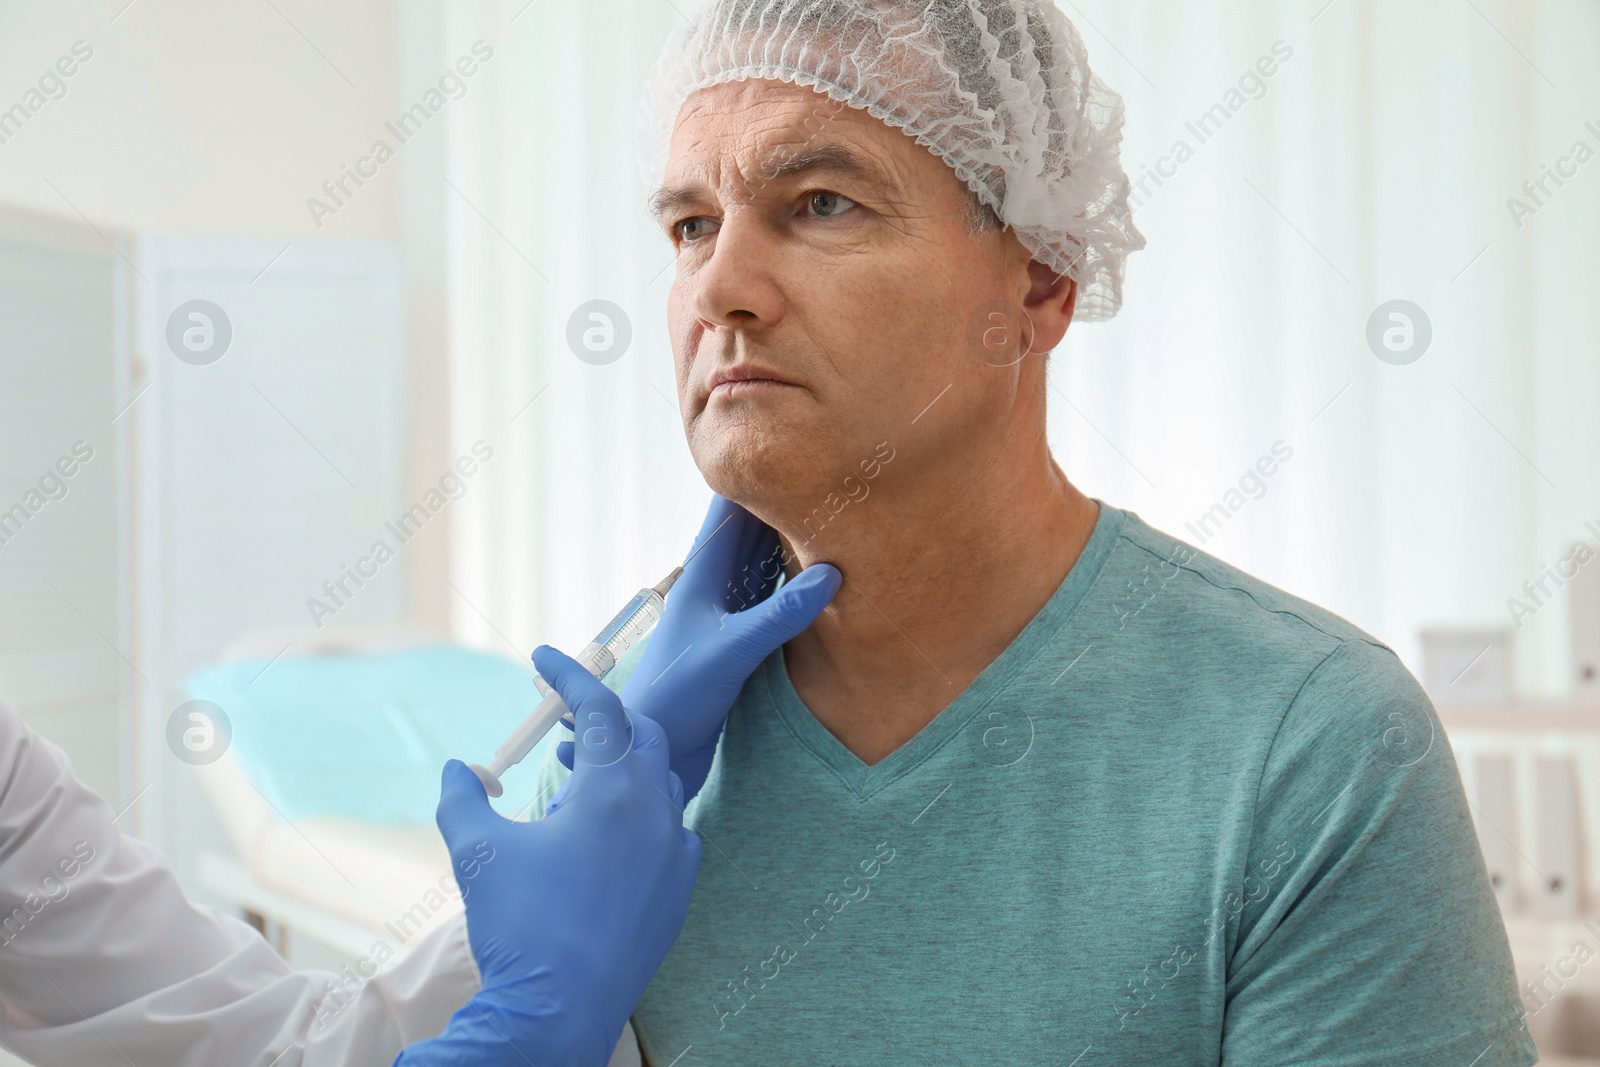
334, 378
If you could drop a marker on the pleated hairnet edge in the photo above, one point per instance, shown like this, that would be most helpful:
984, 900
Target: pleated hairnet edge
1100, 286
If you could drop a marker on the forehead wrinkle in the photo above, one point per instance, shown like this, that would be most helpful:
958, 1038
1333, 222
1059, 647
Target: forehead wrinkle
773, 139
841, 160
698, 185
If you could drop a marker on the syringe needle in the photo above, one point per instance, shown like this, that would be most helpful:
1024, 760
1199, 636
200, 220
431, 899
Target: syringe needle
707, 541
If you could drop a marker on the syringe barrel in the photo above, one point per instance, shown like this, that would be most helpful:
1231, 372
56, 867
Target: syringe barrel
592, 656
631, 623
610, 644
598, 658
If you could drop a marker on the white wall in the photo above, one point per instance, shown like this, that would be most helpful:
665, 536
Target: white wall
225, 118
196, 116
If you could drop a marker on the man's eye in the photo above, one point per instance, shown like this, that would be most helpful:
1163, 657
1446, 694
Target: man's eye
828, 205
686, 229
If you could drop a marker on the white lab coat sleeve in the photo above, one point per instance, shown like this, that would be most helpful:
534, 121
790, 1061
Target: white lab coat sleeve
104, 961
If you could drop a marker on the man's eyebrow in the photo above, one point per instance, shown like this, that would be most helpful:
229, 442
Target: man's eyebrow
838, 158
670, 198
835, 158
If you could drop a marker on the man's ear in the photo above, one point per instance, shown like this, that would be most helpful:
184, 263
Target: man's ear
1050, 304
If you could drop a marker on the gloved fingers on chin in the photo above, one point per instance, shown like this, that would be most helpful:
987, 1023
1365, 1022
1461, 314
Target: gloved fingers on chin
787, 613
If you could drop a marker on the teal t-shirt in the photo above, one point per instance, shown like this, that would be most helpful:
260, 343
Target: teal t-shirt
1185, 818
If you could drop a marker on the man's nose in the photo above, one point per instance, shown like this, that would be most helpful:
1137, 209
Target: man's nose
737, 286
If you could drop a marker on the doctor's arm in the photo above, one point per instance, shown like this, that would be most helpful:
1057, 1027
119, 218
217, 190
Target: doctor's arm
103, 960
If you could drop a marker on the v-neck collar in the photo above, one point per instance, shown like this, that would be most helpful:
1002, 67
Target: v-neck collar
863, 779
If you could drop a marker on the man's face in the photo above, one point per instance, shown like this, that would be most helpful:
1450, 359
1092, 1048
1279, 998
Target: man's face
827, 255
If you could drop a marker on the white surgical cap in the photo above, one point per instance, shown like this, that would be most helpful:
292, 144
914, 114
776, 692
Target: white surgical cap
999, 89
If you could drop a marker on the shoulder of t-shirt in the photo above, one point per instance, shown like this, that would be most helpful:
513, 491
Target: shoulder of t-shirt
1338, 665
1252, 609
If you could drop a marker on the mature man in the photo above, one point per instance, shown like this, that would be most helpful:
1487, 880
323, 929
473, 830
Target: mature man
1042, 784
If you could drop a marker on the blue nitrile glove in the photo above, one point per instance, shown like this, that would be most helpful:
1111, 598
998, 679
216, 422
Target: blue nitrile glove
721, 620
568, 917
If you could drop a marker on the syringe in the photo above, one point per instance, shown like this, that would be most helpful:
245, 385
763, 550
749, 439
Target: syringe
620, 634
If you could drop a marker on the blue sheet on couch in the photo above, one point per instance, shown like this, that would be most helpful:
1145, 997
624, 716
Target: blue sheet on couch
365, 735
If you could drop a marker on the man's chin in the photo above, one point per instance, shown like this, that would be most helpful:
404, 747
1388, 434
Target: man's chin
759, 467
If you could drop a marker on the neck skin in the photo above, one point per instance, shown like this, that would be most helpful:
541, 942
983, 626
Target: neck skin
943, 567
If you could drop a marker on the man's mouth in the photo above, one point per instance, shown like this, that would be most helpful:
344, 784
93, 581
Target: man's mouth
747, 379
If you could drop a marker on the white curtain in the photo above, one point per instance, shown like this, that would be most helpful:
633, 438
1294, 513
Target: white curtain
594, 492
1374, 164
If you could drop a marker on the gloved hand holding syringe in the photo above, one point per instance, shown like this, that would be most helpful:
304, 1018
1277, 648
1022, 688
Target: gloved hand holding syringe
625, 630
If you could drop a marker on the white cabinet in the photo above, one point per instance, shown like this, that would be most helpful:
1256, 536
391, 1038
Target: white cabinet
267, 468
66, 649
